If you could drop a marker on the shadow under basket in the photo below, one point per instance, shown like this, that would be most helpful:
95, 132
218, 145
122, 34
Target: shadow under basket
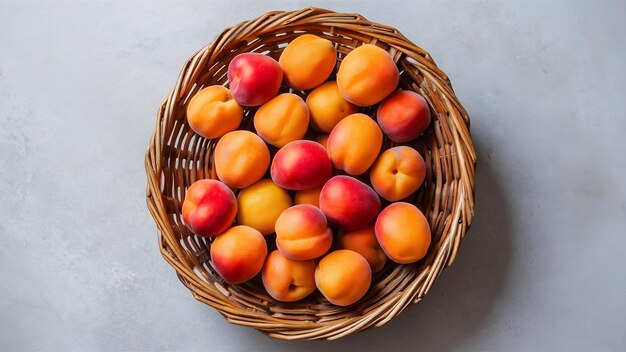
177, 157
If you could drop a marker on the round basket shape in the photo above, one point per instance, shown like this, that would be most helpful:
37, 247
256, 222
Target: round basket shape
177, 157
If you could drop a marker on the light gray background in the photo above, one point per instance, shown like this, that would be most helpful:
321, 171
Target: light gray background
543, 267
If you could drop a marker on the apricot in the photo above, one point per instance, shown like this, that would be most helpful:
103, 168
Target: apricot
254, 78
348, 202
301, 165
403, 116
213, 112
238, 254
209, 208
403, 232
308, 61
240, 158
364, 242
309, 196
354, 144
367, 75
288, 280
302, 232
343, 277
261, 204
327, 107
397, 173
283, 119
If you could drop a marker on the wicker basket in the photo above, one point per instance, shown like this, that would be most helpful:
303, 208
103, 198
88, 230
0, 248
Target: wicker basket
177, 157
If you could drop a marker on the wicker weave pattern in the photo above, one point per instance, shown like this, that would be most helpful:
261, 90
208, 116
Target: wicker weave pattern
177, 157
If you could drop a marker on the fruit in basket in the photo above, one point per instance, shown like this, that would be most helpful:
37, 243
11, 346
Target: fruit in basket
328, 107
282, 119
241, 158
307, 61
302, 233
288, 280
403, 115
397, 173
301, 165
367, 75
261, 204
343, 277
309, 196
403, 232
254, 78
213, 112
364, 242
347, 141
209, 208
348, 202
354, 144
238, 254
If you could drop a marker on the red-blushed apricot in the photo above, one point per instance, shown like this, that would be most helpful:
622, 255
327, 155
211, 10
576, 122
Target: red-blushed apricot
283, 119
209, 208
238, 254
241, 158
354, 144
403, 115
261, 204
343, 277
367, 75
308, 61
302, 233
301, 165
254, 78
403, 232
327, 107
288, 280
212, 112
348, 202
364, 242
397, 173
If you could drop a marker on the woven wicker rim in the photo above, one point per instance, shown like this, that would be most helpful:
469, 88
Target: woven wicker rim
177, 157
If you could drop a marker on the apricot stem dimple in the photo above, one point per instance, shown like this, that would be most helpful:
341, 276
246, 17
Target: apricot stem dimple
395, 171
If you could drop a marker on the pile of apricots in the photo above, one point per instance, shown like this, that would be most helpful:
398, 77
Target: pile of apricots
330, 231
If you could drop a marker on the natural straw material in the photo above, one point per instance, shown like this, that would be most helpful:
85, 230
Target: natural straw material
177, 157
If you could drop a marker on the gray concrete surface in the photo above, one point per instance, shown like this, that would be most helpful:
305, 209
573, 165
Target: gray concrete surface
543, 267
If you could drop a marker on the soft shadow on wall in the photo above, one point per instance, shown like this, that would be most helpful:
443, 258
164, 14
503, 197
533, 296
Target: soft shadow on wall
462, 300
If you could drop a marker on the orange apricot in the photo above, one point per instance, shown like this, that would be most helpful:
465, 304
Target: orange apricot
308, 61
403, 232
213, 112
302, 232
328, 107
261, 204
288, 280
241, 158
367, 75
397, 173
354, 144
282, 119
343, 277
